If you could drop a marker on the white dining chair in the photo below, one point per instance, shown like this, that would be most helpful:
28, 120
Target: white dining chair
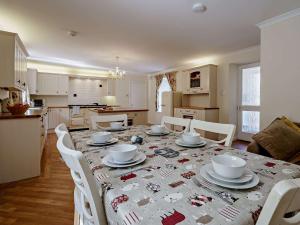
60, 130
218, 128
283, 199
90, 197
107, 118
175, 121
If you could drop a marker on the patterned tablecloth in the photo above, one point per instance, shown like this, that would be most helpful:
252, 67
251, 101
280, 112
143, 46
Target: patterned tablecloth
162, 191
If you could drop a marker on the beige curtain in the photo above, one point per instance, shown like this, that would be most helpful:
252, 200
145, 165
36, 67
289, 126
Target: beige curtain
172, 80
158, 79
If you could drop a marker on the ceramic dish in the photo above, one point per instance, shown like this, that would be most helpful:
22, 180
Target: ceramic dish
110, 142
252, 183
108, 161
181, 143
246, 177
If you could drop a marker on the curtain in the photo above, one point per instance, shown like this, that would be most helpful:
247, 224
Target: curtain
172, 80
158, 79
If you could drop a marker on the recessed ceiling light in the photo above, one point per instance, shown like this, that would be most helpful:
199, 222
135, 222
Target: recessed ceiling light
72, 33
199, 7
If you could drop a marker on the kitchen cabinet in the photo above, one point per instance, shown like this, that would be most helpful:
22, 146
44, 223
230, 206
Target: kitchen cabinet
200, 80
57, 116
21, 146
199, 113
13, 63
52, 84
31, 78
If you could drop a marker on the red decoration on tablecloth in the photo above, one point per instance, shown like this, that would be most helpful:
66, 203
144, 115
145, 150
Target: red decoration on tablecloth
118, 200
183, 160
153, 147
128, 176
270, 164
97, 168
188, 174
173, 218
151, 156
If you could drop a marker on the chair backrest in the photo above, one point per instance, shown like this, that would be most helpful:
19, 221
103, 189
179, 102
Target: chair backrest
107, 118
177, 122
219, 128
90, 196
61, 129
284, 198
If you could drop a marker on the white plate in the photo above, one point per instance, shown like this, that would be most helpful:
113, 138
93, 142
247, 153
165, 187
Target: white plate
107, 160
134, 159
180, 142
114, 130
110, 142
246, 177
247, 185
149, 132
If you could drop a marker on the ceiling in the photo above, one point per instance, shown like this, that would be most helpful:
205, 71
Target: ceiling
148, 36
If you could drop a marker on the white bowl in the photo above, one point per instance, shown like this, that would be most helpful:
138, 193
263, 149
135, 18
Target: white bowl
228, 166
123, 152
116, 125
191, 138
101, 137
158, 129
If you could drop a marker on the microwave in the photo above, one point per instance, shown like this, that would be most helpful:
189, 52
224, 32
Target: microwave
38, 102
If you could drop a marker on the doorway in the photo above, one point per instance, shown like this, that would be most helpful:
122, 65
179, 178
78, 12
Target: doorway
249, 101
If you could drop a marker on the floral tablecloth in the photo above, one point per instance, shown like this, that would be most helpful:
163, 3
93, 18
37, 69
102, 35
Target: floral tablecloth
162, 189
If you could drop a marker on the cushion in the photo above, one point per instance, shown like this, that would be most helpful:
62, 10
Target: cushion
279, 140
290, 124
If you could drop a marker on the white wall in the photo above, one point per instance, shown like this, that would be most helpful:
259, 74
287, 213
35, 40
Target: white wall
228, 70
280, 49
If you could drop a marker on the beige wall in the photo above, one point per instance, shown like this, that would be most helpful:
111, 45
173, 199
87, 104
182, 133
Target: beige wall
228, 70
280, 84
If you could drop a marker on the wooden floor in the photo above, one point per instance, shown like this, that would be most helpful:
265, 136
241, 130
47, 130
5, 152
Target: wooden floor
45, 200
48, 199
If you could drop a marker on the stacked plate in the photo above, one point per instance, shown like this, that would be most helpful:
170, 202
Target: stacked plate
102, 139
115, 126
230, 172
190, 140
123, 155
157, 130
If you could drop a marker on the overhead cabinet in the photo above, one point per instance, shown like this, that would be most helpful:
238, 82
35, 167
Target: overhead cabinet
13, 63
200, 80
52, 84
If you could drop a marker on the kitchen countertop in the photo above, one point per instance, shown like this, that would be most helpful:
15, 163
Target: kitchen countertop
119, 110
88, 106
196, 107
30, 113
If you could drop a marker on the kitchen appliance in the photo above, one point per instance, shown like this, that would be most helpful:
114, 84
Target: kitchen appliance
170, 100
39, 102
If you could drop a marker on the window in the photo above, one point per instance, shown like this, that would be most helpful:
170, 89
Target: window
163, 87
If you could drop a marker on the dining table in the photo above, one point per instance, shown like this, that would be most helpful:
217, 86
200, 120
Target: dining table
167, 187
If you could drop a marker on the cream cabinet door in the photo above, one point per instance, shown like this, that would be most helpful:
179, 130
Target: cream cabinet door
63, 85
53, 118
47, 84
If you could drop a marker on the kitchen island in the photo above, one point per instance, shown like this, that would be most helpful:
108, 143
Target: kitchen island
22, 139
136, 116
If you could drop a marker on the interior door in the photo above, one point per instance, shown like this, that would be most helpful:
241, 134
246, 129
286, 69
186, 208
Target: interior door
249, 101
167, 104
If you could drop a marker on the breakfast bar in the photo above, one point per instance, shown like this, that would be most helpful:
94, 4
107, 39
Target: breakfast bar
170, 186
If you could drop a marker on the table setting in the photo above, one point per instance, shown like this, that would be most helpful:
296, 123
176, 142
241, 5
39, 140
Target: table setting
178, 178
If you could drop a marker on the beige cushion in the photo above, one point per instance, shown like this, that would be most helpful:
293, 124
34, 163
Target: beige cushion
280, 140
290, 123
